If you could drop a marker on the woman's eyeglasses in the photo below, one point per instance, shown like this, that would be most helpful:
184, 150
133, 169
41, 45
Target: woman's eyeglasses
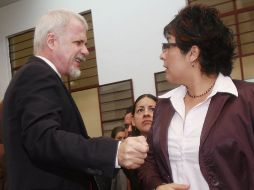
166, 46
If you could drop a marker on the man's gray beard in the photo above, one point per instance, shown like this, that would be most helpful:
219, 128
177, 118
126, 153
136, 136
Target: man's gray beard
74, 72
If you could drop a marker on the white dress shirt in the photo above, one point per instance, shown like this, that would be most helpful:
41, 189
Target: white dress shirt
184, 134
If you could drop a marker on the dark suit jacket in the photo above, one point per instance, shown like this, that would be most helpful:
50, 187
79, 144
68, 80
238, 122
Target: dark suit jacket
3, 182
226, 150
46, 142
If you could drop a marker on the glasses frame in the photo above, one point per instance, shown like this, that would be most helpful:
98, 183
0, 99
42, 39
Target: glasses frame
168, 45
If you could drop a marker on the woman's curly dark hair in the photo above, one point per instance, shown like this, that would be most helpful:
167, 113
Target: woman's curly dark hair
201, 25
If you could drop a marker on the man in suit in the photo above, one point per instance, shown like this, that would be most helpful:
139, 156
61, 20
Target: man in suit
46, 142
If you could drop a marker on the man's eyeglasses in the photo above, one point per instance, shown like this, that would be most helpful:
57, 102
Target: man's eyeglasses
168, 45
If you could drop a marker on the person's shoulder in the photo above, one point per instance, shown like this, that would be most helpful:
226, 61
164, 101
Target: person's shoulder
33, 68
245, 89
33, 73
241, 84
36, 63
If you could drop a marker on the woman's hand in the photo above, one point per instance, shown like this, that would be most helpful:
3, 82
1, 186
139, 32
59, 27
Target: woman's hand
173, 186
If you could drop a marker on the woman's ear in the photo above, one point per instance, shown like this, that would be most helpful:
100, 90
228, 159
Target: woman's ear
194, 53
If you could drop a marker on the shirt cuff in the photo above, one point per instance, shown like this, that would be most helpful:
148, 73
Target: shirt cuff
116, 162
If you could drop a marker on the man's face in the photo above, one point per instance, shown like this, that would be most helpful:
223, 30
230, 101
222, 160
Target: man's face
70, 50
127, 124
128, 118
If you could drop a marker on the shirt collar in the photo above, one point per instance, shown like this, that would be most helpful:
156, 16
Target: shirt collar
50, 64
222, 84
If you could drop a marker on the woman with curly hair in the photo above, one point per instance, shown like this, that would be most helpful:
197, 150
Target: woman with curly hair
202, 134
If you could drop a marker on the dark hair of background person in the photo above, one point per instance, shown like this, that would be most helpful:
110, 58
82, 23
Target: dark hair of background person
129, 110
135, 131
116, 130
213, 38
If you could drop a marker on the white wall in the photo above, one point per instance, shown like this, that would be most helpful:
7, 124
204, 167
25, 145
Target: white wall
128, 35
88, 105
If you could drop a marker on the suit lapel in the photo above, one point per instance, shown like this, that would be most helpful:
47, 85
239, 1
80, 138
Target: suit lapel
81, 123
216, 105
166, 114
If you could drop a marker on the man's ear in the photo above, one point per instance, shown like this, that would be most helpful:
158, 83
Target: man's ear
51, 40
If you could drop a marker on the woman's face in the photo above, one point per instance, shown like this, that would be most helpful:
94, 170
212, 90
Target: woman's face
176, 63
120, 135
143, 116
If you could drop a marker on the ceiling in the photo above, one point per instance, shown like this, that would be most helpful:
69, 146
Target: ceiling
6, 2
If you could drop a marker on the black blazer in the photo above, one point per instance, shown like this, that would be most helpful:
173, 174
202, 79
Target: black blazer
46, 142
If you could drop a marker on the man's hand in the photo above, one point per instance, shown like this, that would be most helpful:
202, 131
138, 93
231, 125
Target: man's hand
132, 152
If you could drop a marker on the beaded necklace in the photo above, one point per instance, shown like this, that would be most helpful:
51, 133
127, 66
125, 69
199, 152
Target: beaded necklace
198, 96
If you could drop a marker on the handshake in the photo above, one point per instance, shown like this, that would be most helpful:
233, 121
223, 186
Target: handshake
132, 152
